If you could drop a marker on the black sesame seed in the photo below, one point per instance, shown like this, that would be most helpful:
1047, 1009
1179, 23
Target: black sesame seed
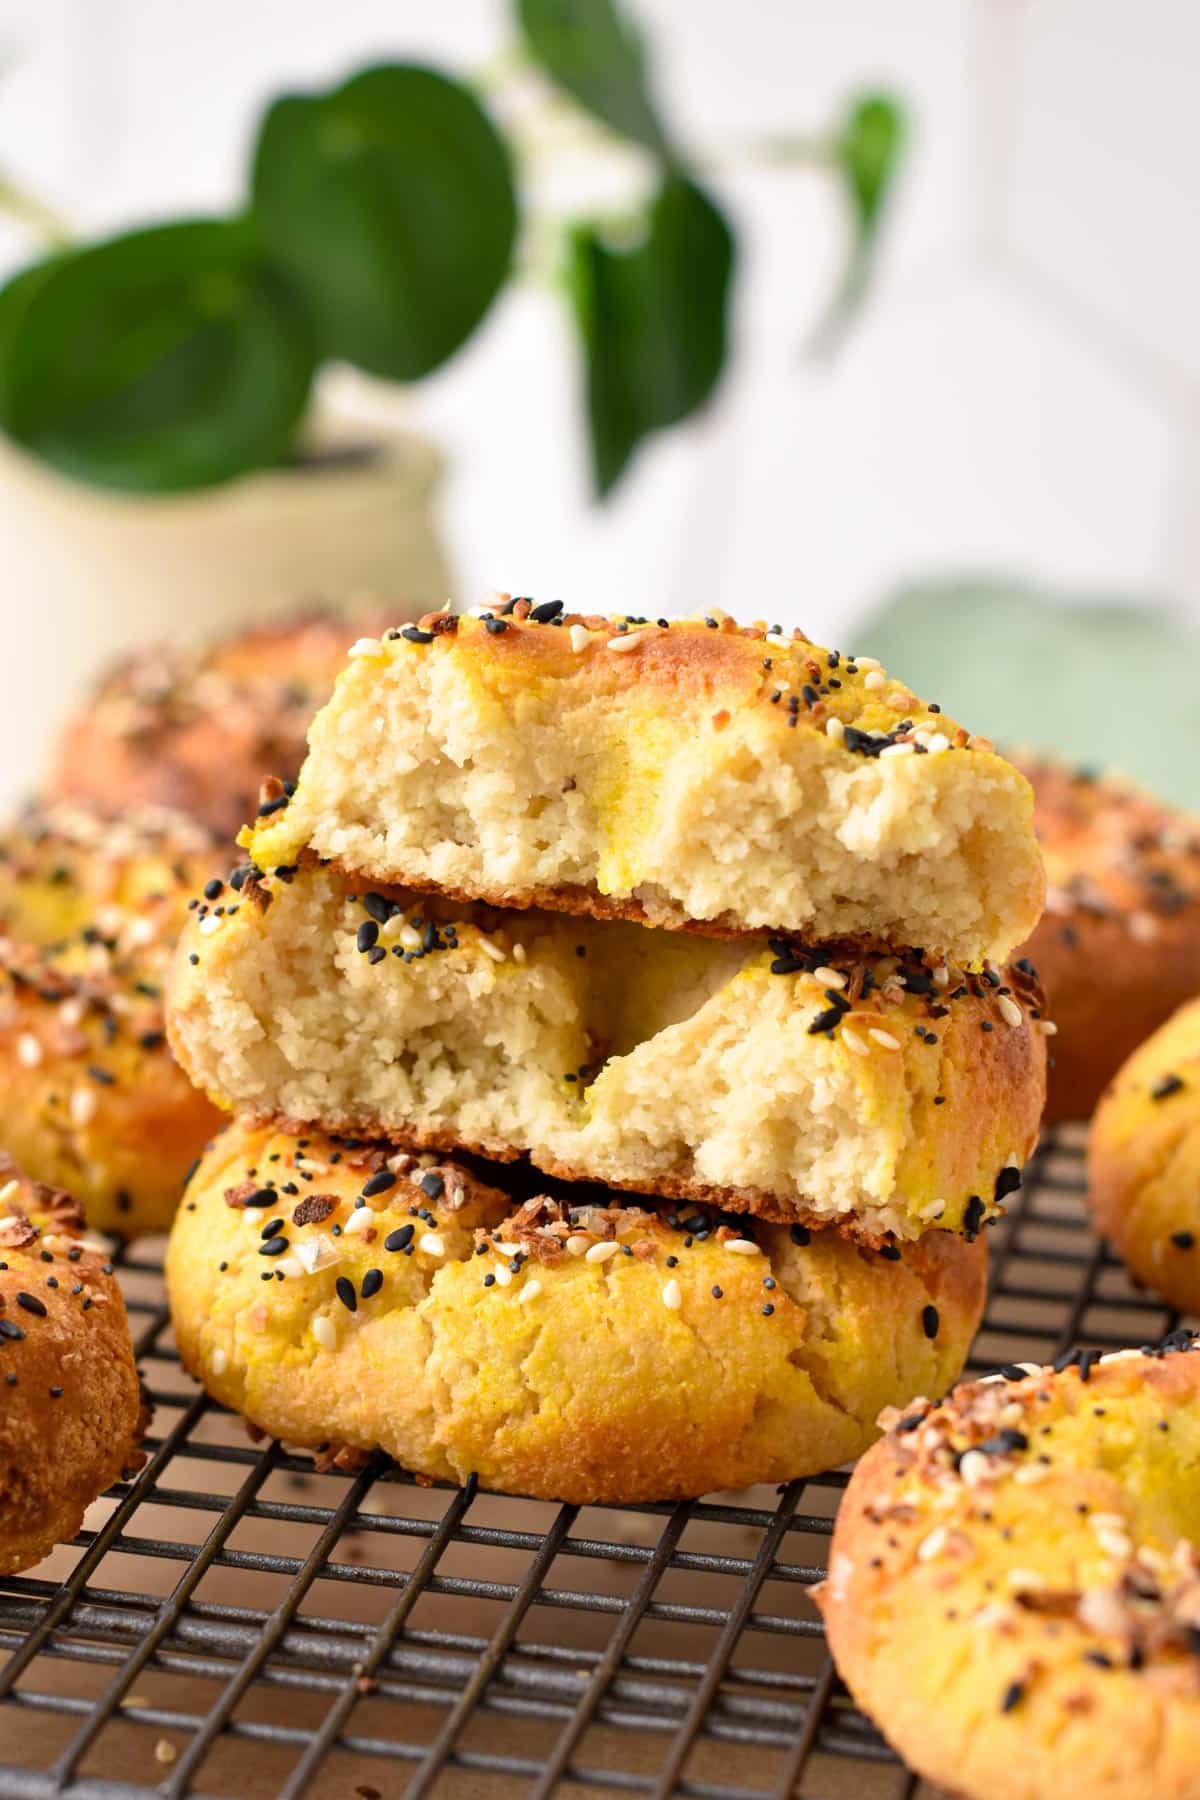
415, 635
717, 1293
767, 1310
1183, 1240
489, 1281
549, 609
10, 1330
213, 889
344, 1289
272, 1228
372, 1281
377, 908
801, 1235
273, 1247
1012, 1696
379, 1184
1165, 1086
31, 1304
56, 1393
930, 1321
1007, 1182
432, 1183
399, 1239
367, 936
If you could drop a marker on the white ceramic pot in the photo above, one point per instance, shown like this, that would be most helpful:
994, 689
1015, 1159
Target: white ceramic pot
87, 574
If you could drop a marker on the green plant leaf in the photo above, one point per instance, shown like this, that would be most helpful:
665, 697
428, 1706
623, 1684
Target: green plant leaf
653, 319
868, 148
390, 203
591, 50
169, 358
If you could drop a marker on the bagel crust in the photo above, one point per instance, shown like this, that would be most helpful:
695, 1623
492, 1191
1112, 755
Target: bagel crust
93, 1099
680, 773
571, 1352
72, 1411
1118, 946
1144, 1162
886, 1094
197, 729
1014, 1587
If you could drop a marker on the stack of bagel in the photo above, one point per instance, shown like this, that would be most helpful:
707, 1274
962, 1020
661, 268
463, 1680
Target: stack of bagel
623, 1056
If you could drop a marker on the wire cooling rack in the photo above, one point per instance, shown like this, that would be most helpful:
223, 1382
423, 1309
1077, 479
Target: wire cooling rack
232, 1623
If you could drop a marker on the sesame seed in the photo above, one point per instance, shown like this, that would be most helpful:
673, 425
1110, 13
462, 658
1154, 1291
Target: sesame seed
835, 729
874, 679
219, 1361
883, 1038
577, 1246
672, 1295
601, 1252
628, 641
742, 1247
29, 1050
933, 1545
529, 1292
503, 1275
578, 636
829, 977
1009, 1010
431, 1244
361, 1219
853, 1042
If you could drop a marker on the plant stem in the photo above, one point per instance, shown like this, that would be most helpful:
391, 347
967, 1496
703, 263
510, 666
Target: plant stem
40, 218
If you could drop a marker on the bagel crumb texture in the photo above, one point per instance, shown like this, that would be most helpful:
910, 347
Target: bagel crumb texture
890, 1094
686, 773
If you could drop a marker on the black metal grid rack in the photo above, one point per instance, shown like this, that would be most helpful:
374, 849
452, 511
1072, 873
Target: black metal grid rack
232, 1623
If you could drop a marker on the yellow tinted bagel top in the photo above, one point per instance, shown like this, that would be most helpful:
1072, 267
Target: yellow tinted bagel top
1144, 1161
1014, 1586
687, 774
93, 1100
343, 1294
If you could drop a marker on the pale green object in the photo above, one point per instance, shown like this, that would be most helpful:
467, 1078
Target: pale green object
1107, 684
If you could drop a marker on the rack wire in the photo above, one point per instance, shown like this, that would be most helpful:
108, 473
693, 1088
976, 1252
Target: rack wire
232, 1623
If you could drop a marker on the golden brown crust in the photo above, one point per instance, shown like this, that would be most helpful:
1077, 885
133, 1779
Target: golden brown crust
93, 1099
1118, 946
569, 1350
72, 1411
197, 730
1144, 1161
1014, 1589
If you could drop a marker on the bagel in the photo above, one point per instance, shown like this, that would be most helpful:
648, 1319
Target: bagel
1118, 946
680, 773
197, 729
886, 1094
1144, 1162
72, 1413
93, 1100
1014, 1586
570, 1351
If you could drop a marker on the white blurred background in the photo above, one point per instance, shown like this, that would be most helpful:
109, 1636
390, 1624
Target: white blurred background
1020, 395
